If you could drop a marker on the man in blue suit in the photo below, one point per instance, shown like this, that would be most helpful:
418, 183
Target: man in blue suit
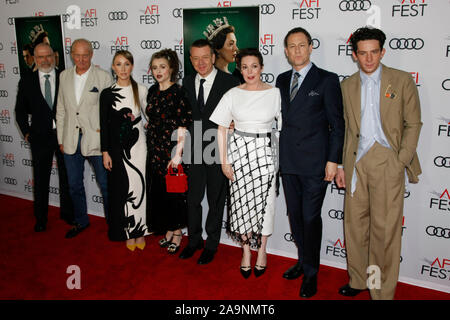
311, 143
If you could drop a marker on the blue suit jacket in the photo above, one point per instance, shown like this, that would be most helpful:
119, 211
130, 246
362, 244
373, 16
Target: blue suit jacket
313, 123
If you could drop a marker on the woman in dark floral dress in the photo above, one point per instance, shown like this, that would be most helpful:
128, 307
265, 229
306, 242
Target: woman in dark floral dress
124, 153
169, 114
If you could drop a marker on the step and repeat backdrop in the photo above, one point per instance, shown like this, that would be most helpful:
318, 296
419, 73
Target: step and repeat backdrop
418, 41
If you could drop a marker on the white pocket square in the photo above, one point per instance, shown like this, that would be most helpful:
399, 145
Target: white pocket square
312, 93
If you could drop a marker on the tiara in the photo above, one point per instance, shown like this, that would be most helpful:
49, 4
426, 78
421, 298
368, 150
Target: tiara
36, 32
212, 30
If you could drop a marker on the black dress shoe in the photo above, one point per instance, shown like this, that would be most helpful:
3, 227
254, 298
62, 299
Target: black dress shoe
40, 227
309, 287
190, 250
206, 257
76, 230
293, 272
349, 291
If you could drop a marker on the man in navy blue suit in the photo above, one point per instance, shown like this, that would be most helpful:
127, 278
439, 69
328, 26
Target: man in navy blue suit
311, 143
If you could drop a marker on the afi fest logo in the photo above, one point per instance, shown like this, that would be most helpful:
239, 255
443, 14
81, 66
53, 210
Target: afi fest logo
150, 16
439, 268
178, 47
308, 10
121, 43
409, 8
444, 129
336, 249
8, 160
2, 71
5, 117
75, 18
29, 185
415, 76
440, 201
267, 45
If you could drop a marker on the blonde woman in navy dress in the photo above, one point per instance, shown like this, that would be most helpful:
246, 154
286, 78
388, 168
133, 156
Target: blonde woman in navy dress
248, 158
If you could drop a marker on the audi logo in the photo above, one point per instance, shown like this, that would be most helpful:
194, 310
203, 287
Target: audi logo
355, 5
177, 13
288, 237
406, 43
343, 77
97, 199
438, 232
95, 45
27, 162
3, 93
11, 181
315, 43
336, 214
441, 161
267, 77
6, 138
150, 44
53, 190
445, 86
267, 9
118, 15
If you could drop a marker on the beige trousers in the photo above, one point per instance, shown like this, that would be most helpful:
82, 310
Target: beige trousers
373, 221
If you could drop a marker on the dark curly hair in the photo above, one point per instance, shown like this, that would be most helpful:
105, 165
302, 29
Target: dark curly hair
248, 52
367, 33
171, 57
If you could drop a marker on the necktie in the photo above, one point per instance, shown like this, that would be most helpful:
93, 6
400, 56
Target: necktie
294, 87
200, 99
48, 91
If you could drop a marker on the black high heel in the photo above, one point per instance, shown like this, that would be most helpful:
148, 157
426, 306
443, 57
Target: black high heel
164, 242
259, 271
246, 273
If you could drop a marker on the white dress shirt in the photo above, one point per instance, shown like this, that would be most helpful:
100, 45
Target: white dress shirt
207, 85
303, 72
80, 81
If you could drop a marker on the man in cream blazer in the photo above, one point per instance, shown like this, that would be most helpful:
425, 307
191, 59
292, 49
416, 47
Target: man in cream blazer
383, 122
78, 127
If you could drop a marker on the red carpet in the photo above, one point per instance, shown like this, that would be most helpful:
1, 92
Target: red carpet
34, 266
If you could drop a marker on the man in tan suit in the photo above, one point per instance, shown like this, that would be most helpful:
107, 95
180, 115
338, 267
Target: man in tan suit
78, 127
382, 117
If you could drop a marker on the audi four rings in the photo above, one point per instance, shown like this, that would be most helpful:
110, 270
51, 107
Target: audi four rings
441, 161
406, 43
118, 15
336, 214
267, 8
445, 85
150, 44
3, 93
288, 237
355, 5
438, 232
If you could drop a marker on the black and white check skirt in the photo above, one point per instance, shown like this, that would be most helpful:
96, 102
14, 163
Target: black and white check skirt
252, 193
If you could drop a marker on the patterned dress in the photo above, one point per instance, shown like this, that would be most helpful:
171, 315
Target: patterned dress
122, 135
166, 111
252, 152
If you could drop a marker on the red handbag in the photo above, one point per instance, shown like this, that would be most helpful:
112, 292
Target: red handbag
176, 182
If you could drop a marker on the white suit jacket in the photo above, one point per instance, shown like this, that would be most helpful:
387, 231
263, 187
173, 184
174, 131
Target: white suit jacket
71, 117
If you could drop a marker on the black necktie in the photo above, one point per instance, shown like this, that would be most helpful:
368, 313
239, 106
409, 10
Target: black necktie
200, 99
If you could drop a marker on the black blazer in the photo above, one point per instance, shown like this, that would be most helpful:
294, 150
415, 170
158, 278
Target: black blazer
30, 100
313, 123
222, 83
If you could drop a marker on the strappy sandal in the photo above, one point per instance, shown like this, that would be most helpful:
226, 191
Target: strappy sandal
164, 243
172, 248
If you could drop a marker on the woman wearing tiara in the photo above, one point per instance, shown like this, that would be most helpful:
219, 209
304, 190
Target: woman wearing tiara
224, 43
248, 158
124, 153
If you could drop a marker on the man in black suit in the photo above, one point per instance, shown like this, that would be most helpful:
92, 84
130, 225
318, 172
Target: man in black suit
204, 90
311, 142
37, 95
